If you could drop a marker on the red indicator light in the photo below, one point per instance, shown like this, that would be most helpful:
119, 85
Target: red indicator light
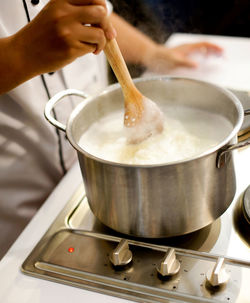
71, 249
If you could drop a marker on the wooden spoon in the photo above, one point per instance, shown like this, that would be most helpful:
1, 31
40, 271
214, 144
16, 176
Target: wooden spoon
142, 117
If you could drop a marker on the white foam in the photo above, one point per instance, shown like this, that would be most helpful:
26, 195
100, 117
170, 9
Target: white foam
187, 133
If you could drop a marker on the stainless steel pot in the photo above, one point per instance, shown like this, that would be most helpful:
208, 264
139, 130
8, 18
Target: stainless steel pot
157, 200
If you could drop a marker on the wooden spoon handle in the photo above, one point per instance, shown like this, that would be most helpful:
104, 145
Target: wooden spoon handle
115, 58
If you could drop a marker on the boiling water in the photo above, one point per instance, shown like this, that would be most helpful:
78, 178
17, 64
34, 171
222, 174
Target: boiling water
187, 133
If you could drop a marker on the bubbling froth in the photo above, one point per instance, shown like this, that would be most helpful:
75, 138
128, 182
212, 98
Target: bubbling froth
186, 134
150, 123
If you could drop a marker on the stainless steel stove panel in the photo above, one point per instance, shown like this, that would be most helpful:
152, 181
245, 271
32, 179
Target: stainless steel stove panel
76, 251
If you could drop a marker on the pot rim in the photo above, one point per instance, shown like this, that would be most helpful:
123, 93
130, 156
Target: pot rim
112, 87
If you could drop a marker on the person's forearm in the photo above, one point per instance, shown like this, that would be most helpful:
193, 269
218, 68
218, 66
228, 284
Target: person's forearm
12, 71
134, 44
138, 48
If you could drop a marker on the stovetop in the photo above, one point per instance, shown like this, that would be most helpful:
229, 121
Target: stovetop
78, 250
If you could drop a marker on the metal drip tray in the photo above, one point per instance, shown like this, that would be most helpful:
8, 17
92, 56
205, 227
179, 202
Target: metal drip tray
77, 249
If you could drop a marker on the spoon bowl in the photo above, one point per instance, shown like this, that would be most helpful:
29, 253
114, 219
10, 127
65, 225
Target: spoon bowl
142, 117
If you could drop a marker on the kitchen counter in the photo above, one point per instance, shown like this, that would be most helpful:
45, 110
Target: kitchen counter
17, 287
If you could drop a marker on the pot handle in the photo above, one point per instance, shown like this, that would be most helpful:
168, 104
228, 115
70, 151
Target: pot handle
221, 157
48, 112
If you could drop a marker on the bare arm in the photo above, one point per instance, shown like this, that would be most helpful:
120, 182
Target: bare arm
11, 71
137, 48
53, 39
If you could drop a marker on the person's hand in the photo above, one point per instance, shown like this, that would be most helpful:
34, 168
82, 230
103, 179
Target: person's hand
61, 32
161, 59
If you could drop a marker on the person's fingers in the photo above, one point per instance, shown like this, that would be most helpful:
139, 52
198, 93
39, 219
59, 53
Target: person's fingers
93, 37
105, 24
84, 2
85, 48
100, 2
181, 60
95, 15
186, 63
110, 31
183, 51
92, 14
210, 46
202, 47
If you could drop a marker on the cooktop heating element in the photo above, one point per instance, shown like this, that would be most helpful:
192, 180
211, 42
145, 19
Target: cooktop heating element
78, 250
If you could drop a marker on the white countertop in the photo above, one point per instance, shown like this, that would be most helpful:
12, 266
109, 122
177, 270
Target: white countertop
17, 287
231, 70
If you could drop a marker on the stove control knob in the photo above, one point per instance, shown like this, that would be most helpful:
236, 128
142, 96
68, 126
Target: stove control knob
121, 255
170, 265
218, 275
